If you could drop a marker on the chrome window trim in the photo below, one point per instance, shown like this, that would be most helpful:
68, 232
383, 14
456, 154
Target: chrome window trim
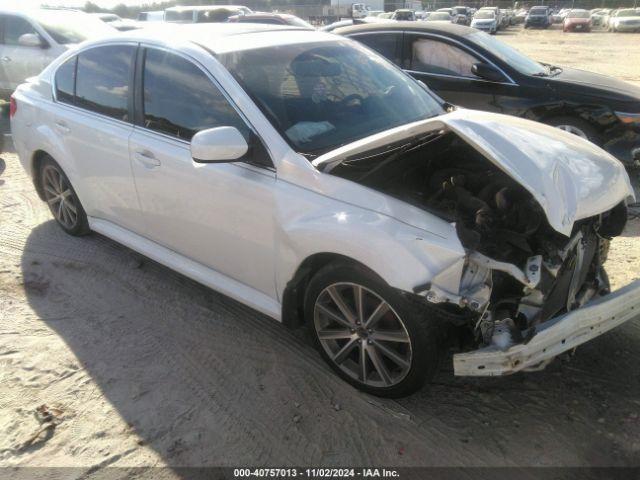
92, 113
217, 84
456, 77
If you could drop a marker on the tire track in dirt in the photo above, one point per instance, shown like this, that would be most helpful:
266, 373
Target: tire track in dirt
200, 379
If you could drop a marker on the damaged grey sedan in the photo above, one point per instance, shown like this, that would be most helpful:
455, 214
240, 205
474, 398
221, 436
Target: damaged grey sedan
307, 177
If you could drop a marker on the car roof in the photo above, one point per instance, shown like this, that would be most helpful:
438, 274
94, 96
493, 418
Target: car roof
182, 8
223, 37
442, 28
268, 15
31, 11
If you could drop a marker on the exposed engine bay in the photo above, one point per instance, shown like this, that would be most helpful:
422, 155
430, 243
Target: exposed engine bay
519, 271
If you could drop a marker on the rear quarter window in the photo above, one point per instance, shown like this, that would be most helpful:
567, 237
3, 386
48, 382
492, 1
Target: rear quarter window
65, 81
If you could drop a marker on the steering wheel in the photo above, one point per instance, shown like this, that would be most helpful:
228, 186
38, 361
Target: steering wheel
349, 99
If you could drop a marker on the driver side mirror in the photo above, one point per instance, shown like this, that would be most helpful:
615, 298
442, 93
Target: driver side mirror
487, 72
218, 145
30, 40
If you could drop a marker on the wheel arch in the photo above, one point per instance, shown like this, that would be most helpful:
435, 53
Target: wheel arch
402, 256
36, 162
598, 116
294, 291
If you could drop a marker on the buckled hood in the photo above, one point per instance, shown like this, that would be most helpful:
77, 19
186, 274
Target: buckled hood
570, 177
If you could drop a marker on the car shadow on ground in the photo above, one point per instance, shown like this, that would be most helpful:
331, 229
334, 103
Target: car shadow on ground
204, 380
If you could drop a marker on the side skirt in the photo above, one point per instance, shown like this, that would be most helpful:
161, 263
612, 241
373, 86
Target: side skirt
189, 268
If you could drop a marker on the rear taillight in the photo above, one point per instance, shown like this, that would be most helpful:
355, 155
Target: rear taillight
13, 106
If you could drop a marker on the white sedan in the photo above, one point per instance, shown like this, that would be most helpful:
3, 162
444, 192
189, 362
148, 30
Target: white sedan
304, 175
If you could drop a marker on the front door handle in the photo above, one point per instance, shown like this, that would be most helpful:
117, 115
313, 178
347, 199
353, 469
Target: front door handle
147, 158
62, 127
6, 59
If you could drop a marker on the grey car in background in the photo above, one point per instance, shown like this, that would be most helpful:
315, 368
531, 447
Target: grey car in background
31, 39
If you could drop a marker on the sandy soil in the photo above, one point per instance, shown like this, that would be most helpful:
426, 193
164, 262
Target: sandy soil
615, 54
108, 359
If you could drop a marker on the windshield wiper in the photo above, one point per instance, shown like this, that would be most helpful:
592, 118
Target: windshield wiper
554, 70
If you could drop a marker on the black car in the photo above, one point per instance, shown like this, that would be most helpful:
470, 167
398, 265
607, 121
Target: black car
472, 69
538, 17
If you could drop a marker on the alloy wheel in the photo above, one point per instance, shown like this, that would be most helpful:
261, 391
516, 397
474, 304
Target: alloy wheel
59, 196
573, 130
362, 335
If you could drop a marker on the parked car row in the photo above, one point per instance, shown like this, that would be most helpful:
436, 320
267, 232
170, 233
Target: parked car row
306, 176
471, 69
32, 39
594, 107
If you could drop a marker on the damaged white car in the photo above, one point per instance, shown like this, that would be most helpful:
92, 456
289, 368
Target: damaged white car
307, 177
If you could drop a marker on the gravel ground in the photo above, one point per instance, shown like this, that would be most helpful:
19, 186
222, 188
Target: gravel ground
108, 359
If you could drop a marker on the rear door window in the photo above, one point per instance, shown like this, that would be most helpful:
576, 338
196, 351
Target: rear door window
102, 80
386, 44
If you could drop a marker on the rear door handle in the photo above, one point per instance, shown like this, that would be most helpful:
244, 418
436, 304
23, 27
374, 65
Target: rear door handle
62, 127
147, 158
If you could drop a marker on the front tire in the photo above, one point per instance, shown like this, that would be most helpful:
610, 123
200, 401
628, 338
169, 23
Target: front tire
576, 126
62, 199
370, 334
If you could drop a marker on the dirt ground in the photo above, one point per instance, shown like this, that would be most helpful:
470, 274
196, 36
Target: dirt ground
615, 54
108, 359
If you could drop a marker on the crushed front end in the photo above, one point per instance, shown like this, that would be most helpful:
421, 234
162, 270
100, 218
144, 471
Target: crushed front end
534, 209
538, 297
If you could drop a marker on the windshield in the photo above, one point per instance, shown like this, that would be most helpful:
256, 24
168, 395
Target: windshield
538, 11
628, 13
322, 95
574, 14
404, 15
109, 18
507, 54
72, 27
484, 15
298, 22
178, 15
440, 16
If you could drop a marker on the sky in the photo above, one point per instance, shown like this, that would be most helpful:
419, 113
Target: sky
69, 3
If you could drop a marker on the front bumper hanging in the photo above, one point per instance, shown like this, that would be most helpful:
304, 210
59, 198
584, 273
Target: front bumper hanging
555, 336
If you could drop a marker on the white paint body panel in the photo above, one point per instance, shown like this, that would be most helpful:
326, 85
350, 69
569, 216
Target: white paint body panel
245, 230
555, 336
570, 177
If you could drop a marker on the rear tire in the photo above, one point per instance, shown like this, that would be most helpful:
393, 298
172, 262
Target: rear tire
370, 334
62, 199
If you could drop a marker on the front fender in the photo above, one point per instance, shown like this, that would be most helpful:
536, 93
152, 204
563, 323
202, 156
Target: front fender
404, 256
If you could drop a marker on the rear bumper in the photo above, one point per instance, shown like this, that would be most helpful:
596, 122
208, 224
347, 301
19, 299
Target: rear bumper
580, 27
555, 336
485, 28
